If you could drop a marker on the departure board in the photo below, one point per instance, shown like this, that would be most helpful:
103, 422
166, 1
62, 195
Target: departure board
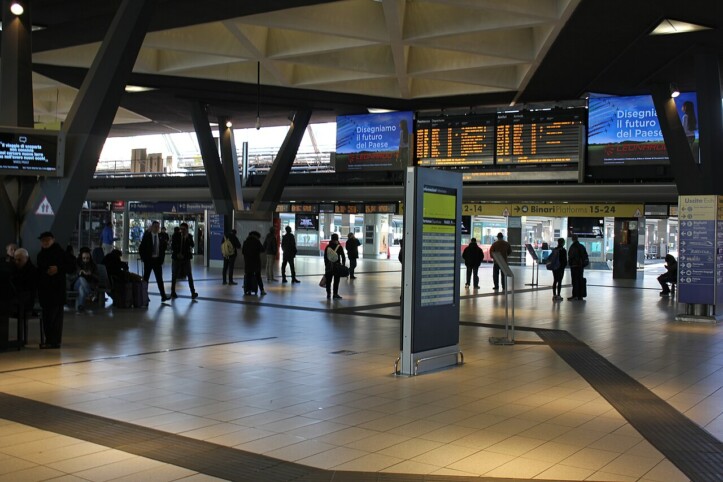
539, 137
464, 140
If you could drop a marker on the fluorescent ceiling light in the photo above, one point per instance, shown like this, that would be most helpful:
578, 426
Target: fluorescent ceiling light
137, 88
669, 26
376, 110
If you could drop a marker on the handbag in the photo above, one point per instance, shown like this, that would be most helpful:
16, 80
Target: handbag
322, 281
341, 270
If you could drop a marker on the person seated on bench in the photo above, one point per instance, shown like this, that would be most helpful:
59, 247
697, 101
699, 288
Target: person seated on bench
25, 280
86, 280
670, 276
117, 268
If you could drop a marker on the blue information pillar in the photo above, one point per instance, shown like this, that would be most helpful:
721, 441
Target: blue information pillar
430, 296
700, 263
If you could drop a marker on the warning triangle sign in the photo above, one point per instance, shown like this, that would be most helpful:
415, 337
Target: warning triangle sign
45, 209
638, 214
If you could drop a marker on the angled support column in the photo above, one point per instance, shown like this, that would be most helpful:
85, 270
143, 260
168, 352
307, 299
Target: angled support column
211, 161
229, 163
16, 101
89, 121
710, 119
687, 173
273, 187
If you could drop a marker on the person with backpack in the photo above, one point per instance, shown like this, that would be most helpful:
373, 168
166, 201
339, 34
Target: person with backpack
229, 250
472, 256
333, 256
557, 262
577, 259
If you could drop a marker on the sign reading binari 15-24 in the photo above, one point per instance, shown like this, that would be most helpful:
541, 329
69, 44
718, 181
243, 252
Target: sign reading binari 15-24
625, 131
378, 142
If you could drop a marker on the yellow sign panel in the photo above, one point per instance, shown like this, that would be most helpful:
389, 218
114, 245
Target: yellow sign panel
699, 208
720, 208
556, 210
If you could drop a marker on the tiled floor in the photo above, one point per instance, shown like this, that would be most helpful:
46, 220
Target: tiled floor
259, 375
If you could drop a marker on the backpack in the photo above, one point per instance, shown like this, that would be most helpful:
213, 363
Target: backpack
332, 255
227, 249
553, 261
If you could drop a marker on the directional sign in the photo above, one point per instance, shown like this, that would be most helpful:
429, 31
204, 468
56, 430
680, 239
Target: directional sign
559, 210
45, 209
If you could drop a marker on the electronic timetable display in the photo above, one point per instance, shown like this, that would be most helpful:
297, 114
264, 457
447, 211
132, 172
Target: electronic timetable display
30, 152
504, 146
465, 140
539, 137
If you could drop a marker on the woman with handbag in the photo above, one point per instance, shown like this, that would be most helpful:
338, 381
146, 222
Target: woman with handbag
334, 259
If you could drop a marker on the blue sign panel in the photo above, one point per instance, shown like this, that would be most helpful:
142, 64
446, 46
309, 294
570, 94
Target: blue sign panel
697, 260
215, 236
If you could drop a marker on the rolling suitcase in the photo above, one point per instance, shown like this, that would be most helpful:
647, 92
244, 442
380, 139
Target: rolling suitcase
250, 284
140, 294
122, 294
583, 288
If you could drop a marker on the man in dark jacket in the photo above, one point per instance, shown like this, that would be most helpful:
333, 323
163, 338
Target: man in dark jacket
472, 256
270, 248
25, 279
152, 252
230, 261
352, 251
288, 245
503, 247
577, 259
670, 275
53, 265
182, 254
559, 272
251, 250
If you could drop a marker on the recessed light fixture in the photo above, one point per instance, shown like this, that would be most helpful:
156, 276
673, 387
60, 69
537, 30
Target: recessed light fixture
377, 110
674, 91
17, 9
137, 88
229, 124
669, 26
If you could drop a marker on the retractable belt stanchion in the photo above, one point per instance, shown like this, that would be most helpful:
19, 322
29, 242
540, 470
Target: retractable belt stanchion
535, 266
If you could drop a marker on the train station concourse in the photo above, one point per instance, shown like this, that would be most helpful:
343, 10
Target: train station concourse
567, 152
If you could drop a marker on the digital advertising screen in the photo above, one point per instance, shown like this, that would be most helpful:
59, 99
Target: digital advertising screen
374, 142
307, 221
586, 227
30, 152
625, 131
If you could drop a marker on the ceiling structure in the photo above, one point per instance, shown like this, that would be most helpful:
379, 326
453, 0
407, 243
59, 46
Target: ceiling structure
342, 57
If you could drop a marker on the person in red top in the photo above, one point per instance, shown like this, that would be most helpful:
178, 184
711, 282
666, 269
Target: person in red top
503, 247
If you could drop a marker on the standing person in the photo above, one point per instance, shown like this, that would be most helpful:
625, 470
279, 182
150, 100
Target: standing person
670, 275
270, 248
53, 265
152, 251
106, 238
577, 259
503, 247
558, 268
181, 245
25, 279
230, 260
251, 250
10, 254
164, 235
333, 255
288, 245
472, 256
352, 251
86, 281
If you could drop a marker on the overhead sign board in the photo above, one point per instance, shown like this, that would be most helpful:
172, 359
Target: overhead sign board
561, 210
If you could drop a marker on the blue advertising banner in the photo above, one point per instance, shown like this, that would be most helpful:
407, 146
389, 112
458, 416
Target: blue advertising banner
215, 236
697, 251
373, 142
625, 131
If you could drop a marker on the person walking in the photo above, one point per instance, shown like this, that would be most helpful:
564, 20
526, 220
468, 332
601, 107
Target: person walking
472, 256
503, 247
288, 245
558, 268
352, 251
577, 259
53, 265
152, 252
182, 254
333, 256
251, 251
232, 245
670, 275
270, 248
106, 238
